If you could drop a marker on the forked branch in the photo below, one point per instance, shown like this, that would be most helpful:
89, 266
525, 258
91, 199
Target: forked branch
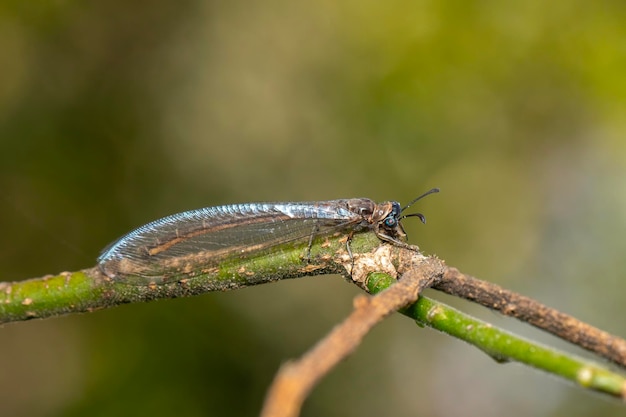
296, 379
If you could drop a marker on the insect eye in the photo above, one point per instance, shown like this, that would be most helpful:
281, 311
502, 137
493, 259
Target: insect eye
396, 210
391, 221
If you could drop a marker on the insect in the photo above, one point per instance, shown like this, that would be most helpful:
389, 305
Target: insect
183, 243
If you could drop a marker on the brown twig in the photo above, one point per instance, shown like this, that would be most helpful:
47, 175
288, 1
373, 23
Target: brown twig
296, 379
530, 311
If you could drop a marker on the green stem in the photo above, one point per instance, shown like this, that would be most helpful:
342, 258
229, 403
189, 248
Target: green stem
504, 346
89, 289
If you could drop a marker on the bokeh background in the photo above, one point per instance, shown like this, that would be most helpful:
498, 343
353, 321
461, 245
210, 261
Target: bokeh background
115, 113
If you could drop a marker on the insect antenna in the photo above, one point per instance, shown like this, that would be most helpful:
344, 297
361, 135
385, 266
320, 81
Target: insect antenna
419, 215
429, 192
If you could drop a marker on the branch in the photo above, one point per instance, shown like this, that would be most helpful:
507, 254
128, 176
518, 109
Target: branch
503, 346
296, 379
531, 311
89, 289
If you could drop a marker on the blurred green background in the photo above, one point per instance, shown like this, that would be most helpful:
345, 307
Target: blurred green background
113, 114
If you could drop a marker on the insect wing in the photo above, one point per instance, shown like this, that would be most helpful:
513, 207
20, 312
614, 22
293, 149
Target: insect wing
189, 242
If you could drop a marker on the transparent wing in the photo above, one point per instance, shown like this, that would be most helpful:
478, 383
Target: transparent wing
188, 242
